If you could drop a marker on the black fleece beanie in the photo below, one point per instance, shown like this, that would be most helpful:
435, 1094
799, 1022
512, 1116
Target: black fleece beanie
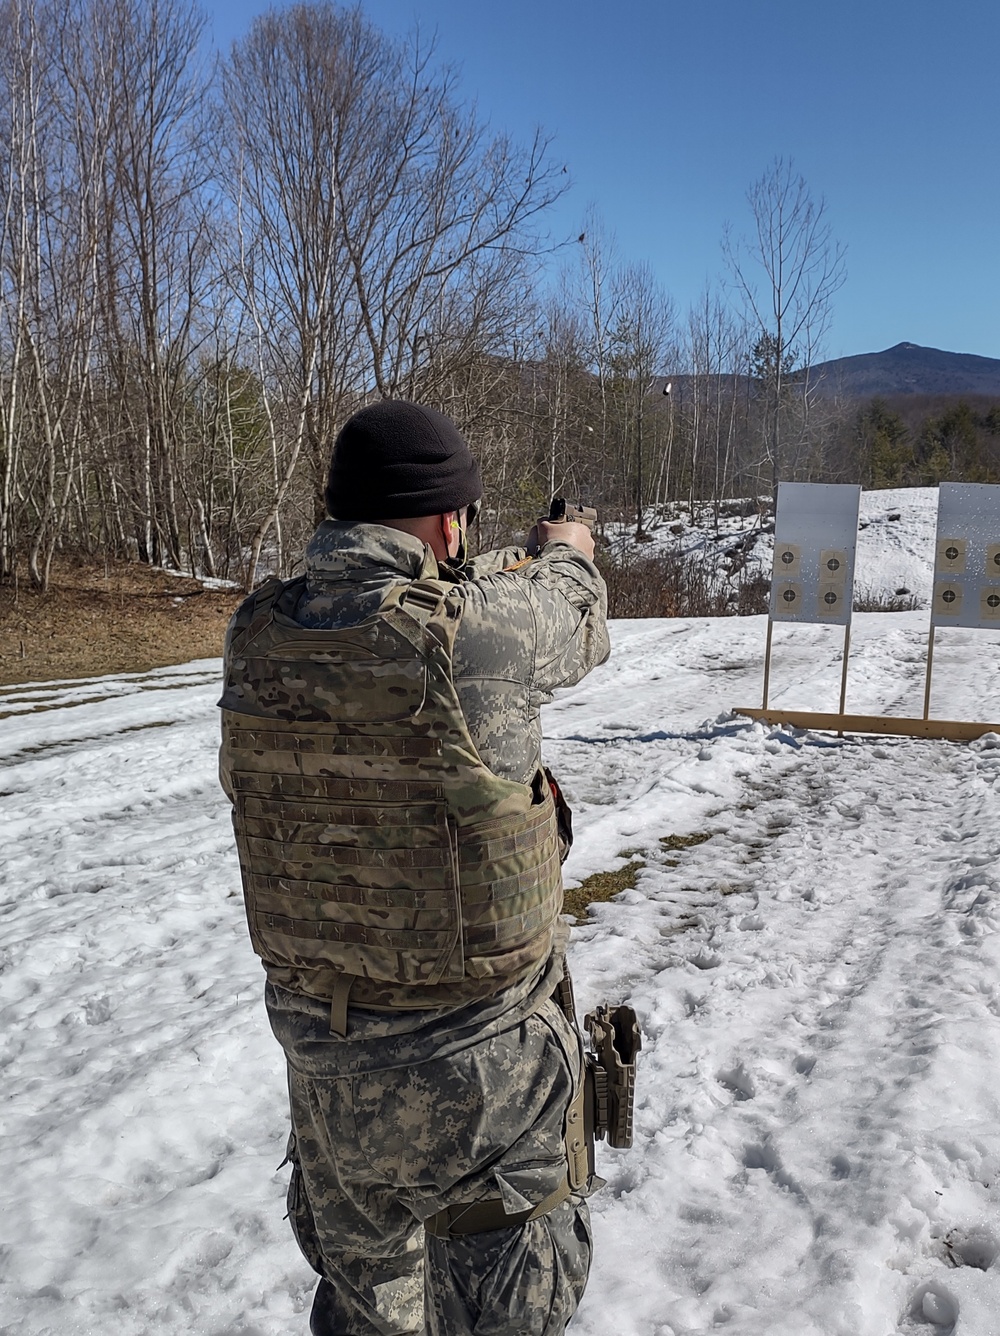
397, 460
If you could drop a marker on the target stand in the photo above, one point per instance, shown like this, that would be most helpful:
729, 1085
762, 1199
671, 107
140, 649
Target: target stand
966, 592
812, 578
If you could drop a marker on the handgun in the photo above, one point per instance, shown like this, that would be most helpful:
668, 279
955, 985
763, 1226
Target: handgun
562, 511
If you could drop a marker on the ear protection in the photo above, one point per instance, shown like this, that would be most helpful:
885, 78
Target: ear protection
462, 554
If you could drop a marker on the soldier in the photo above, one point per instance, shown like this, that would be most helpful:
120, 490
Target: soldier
399, 846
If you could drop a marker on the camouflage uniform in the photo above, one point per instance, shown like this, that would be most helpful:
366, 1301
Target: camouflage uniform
415, 1111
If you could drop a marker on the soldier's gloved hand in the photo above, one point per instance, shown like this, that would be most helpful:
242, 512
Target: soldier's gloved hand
563, 531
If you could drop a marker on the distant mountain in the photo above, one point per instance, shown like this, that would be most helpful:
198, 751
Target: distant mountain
908, 369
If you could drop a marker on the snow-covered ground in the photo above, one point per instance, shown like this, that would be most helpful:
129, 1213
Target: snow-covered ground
818, 1126
895, 557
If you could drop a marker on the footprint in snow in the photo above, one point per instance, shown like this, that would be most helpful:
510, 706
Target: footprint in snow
763, 1155
933, 1306
976, 1247
738, 1081
840, 1167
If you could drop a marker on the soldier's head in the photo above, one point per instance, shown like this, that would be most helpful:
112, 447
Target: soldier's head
408, 466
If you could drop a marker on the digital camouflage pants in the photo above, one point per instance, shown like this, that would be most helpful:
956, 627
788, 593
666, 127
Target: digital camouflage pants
441, 1120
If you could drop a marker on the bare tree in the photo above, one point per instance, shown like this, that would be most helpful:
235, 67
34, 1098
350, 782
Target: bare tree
384, 230
786, 271
48, 251
598, 297
717, 361
640, 342
21, 97
157, 242
290, 89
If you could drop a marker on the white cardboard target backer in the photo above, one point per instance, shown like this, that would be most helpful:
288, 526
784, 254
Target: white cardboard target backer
967, 556
815, 536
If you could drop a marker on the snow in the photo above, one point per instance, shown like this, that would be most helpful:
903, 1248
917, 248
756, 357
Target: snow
895, 554
206, 581
817, 1131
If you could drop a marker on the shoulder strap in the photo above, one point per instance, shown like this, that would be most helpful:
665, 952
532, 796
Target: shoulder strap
255, 612
423, 598
427, 602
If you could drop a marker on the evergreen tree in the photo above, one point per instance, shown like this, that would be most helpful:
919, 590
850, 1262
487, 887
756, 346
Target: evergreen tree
884, 452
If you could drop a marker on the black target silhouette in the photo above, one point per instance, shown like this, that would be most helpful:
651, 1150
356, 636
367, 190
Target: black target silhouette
789, 596
788, 557
996, 558
949, 596
951, 553
994, 600
830, 598
833, 564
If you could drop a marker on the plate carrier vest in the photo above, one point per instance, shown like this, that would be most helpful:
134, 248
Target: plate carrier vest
380, 856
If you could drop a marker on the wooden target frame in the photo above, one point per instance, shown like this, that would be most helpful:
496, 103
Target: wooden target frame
968, 541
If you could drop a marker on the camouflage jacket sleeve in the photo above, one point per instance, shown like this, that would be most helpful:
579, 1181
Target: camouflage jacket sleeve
523, 633
488, 563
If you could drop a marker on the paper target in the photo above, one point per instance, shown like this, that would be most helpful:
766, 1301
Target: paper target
989, 604
788, 594
830, 600
951, 556
948, 599
787, 561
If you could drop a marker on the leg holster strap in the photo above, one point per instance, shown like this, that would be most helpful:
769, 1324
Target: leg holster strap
478, 1217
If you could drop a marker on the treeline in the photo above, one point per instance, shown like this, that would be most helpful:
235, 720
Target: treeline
208, 262
921, 440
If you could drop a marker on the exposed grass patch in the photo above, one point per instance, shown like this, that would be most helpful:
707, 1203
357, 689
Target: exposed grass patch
867, 600
672, 844
603, 886
600, 887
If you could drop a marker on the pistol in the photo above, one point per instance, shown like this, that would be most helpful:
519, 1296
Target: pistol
562, 511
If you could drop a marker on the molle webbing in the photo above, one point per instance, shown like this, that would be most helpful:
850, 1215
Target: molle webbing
372, 839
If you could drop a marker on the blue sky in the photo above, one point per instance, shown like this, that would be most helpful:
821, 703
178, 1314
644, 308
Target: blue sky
665, 113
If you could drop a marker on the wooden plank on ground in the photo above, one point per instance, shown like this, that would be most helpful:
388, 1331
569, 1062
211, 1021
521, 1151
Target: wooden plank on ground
950, 729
